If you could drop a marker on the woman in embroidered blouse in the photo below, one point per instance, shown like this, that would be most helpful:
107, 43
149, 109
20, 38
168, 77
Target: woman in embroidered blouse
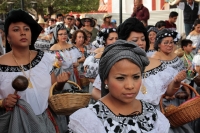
195, 36
105, 37
78, 39
70, 54
21, 32
120, 68
152, 31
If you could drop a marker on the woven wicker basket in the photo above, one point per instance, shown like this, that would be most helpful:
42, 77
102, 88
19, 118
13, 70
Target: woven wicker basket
184, 113
68, 103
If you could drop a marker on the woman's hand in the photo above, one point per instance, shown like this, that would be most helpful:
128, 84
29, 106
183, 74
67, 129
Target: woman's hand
180, 76
10, 101
63, 77
61, 80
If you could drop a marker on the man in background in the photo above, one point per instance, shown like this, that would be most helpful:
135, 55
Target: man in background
140, 11
170, 23
191, 11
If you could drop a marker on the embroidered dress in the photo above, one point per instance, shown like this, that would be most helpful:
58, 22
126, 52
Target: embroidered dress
148, 121
195, 42
70, 56
42, 44
150, 52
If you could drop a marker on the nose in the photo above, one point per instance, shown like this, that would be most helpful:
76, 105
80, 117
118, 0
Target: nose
129, 84
22, 32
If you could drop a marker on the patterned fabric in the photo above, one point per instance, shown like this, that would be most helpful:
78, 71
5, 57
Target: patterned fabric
176, 63
143, 122
42, 44
150, 52
35, 61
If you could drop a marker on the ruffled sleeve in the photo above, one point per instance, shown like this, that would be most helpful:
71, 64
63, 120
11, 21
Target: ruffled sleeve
85, 121
97, 82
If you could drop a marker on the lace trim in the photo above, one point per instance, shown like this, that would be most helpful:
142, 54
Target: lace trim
155, 70
171, 61
63, 50
144, 120
35, 61
152, 50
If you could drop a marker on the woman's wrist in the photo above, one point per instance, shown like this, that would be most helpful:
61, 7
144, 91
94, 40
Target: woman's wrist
2, 103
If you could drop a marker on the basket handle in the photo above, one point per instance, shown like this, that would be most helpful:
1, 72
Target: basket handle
53, 86
184, 84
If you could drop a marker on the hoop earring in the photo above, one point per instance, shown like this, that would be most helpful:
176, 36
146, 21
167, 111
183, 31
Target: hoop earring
106, 86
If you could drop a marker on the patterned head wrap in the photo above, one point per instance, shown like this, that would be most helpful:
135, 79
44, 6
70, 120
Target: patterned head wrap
55, 30
120, 50
165, 33
102, 36
132, 25
22, 16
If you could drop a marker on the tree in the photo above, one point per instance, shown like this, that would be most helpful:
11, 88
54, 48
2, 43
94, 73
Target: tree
54, 6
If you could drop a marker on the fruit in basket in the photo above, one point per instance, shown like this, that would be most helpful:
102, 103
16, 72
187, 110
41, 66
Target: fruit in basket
20, 83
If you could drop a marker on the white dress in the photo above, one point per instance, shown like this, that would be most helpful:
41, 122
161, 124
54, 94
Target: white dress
98, 118
40, 77
70, 56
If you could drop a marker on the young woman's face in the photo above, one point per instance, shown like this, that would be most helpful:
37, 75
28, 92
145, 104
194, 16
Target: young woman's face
62, 35
112, 37
167, 45
87, 22
19, 35
79, 38
88, 39
152, 37
124, 81
138, 38
197, 28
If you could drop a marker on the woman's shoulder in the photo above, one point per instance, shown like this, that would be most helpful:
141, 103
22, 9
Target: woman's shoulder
156, 55
153, 64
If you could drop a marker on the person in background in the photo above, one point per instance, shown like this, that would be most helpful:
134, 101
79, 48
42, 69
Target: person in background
140, 11
187, 58
191, 11
107, 21
78, 23
88, 25
97, 26
160, 25
3, 38
170, 23
71, 28
194, 36
59, 18
114, 22
88, 44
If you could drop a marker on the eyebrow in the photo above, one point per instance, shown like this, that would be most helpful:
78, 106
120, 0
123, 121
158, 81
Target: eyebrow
125, 74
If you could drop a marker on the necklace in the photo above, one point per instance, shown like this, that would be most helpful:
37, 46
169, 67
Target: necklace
30, 85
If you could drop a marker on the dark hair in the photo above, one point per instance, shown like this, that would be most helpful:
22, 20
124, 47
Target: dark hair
196, 22
173, 14
106, 32
21, 16
160, 24
129, 25
59, 15
185, 43
80, 24
74, 35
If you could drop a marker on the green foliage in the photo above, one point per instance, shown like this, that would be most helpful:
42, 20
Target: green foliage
54, 6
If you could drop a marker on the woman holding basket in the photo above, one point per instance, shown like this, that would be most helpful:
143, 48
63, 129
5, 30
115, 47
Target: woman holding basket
21, 59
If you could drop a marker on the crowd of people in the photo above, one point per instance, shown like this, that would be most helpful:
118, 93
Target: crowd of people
127, 69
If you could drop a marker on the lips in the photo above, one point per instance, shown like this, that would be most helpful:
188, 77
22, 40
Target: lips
23, 40
129, 95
